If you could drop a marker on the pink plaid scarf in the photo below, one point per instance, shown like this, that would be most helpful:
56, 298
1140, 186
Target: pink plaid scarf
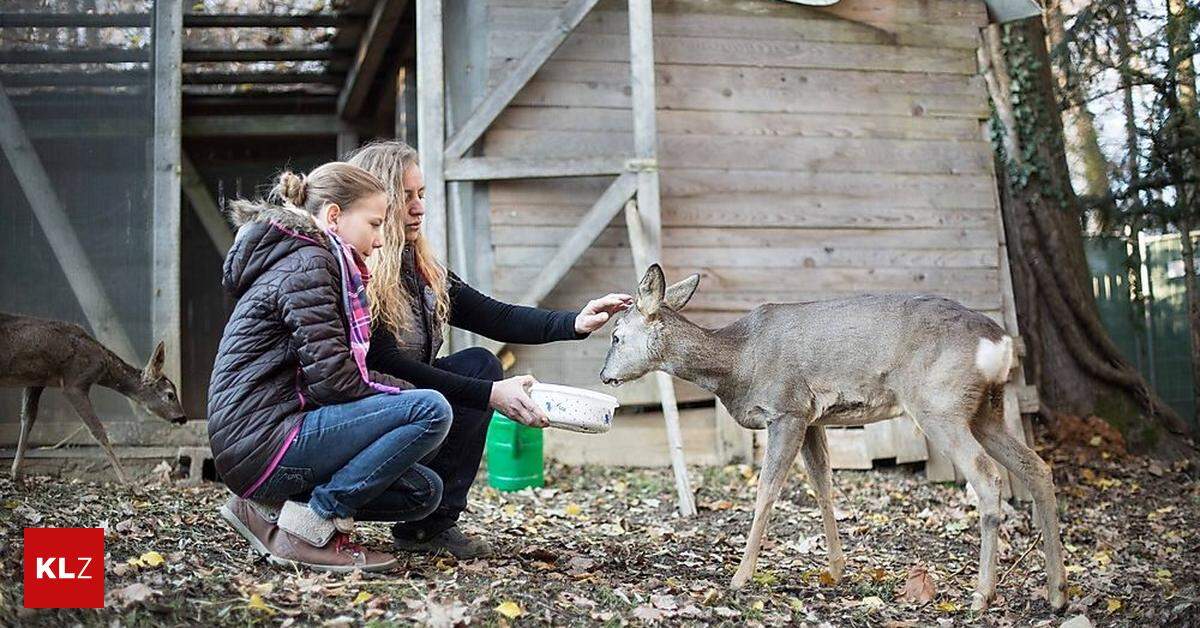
358, 309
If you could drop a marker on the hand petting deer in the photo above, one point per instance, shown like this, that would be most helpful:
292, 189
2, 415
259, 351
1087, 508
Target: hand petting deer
795, 368
37, 353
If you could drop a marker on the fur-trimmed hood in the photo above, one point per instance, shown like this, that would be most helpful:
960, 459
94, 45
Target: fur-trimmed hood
266, 233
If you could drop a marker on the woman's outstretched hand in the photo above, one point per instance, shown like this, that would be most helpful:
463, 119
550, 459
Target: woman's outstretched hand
511, 398
599, 311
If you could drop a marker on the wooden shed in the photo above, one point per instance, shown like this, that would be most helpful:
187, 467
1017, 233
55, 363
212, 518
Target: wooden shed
802, 153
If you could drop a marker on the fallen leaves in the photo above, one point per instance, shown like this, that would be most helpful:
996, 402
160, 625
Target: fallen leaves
131, 594
509, 609
918, 587
149, 559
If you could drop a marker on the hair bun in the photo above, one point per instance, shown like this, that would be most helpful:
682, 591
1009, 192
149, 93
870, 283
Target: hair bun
292, 188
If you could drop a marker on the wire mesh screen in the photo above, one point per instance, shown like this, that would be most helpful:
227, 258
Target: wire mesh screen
76, 199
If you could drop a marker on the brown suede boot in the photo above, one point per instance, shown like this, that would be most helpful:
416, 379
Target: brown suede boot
304, 538
255, 522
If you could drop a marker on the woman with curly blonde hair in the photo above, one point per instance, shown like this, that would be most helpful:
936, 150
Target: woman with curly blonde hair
413, 297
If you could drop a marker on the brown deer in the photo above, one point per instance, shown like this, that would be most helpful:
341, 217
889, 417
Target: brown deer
36, 353
795, 368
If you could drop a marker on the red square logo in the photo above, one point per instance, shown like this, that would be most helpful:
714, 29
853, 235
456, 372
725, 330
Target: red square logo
64, 568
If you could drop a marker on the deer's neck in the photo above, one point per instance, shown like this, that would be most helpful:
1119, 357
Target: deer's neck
705, 357
120, 377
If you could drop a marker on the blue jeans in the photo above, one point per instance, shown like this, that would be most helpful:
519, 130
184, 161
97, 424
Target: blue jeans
359, 459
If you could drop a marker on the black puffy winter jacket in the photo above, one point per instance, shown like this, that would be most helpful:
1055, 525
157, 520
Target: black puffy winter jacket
284, 349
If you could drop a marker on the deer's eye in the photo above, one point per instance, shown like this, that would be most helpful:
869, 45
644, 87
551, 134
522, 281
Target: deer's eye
615, 339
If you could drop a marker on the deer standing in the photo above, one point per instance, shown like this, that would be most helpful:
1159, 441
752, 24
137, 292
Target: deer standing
795, 368
37, 353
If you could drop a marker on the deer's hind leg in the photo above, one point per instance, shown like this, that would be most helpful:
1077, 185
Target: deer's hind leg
784, 435
815, 452
947, 427
1023, 462
29, 409
83, 407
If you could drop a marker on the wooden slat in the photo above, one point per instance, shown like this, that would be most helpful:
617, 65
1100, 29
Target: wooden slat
765, 153
803, 25
706, 237
531, 58
385, 18
729, 259
637, 440
493, 168
262, 125
787, 54
601, 214
913, 190
860, 11
738, 124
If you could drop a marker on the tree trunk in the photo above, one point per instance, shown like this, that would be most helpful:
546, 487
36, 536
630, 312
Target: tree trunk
1071, 358
1082, 141
1179, 27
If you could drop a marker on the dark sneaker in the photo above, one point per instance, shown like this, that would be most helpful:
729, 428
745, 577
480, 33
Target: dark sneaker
449, 541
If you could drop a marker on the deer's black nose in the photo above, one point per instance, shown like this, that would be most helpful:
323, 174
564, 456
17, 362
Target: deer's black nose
179, 420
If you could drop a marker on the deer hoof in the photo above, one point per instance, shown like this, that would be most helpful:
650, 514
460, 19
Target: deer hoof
978, 602
740, 579
1058, 597
836, 570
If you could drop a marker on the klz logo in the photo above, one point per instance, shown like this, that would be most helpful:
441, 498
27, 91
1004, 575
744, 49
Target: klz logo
64, 568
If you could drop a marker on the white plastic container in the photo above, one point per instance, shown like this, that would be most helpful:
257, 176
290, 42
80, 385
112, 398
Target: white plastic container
575, 409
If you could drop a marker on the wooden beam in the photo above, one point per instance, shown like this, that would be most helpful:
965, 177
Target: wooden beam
645, 127
593, 223
190, 20
375, 41
263, 78
262, 125
493, 168
166, 297
206, 208
553, 35
142, 55
431, 120
64, 243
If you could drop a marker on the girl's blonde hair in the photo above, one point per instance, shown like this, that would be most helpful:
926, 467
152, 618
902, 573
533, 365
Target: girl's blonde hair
336, 182
388, 161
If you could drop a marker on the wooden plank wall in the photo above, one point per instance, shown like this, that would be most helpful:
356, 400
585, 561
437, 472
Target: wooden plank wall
805, 153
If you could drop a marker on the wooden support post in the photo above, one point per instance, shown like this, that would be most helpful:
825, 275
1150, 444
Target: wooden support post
639, 244
166, 300
206, 208
347, 141
431, 121
64, 243
374, 43
489, 109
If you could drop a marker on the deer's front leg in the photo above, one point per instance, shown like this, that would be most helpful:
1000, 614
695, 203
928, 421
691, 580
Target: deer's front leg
29, 410
816, 463
83, 407
784, 436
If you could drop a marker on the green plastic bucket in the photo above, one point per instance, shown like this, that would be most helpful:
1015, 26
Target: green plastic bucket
514, 455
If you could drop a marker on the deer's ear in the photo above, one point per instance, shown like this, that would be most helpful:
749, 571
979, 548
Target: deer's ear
678, 294
153, 368
651, 291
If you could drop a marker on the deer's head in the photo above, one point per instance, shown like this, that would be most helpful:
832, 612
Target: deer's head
156, 393
641, 334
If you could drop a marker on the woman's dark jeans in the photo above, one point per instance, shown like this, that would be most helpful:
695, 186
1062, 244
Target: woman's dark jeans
360, 459
456, 462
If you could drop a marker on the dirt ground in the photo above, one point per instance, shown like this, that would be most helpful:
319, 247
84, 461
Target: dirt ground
604, 546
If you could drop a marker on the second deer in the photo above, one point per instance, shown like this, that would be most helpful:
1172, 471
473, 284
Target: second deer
795, 368
37, 353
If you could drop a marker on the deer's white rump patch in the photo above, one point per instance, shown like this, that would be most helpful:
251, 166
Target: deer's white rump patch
994, 359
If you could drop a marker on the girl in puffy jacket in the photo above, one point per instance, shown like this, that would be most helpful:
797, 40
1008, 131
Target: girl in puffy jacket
305, 435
